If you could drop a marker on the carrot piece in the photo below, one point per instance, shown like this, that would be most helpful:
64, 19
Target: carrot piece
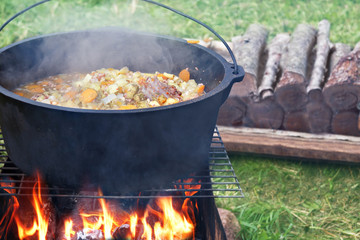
70, 94
127, 107
21, 94
161, 99
184, 75
88, 95
44, 83
58, 80
107, 82
193, 41
35, 88
200, 89
162, 76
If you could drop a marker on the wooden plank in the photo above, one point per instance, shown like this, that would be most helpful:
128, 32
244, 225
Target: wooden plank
329, 147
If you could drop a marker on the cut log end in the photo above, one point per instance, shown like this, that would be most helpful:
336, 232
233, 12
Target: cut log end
264, 114
344, 97
232, 112
319, 113
291, 97
346, 123
296, 121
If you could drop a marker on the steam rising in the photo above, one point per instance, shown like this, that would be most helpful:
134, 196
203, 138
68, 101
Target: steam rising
134, 147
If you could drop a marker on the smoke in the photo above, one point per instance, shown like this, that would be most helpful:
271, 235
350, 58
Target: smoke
164, 133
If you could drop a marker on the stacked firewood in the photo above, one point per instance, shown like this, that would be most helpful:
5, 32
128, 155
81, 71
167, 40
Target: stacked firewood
298, 82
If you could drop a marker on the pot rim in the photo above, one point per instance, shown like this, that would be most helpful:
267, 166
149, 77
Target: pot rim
228, 77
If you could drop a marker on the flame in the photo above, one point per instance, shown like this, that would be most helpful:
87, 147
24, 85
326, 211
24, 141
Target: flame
173, 224
11, 207
104, 220
40, 224
163, 218
160, 221
189, 187
69, 233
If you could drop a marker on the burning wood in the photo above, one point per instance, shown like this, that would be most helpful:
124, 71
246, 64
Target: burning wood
35, 217
100, 219
247, 50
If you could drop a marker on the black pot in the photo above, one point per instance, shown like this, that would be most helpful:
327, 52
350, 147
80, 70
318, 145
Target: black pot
119, 151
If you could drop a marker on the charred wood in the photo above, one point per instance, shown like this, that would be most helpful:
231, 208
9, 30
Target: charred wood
342, 90
26, 216
247, 50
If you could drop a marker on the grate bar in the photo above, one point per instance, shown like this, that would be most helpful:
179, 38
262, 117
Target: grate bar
219, 181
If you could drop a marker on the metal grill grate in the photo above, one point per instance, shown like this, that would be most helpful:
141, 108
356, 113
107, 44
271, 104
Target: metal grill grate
219, 181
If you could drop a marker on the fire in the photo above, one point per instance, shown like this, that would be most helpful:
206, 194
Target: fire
41, 222
162, 218
11, 207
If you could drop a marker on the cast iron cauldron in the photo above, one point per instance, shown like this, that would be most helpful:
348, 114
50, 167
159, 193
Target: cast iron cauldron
118, 151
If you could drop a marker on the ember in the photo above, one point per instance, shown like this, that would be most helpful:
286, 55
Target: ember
162, 218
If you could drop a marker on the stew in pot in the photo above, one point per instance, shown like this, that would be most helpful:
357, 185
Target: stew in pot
111, 89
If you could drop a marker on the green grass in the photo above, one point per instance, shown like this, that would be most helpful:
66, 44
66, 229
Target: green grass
283, 199
229, 18
296, 200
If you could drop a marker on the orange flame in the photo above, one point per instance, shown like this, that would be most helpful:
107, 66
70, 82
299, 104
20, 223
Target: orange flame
165, 218
173, 224
11, 207
40, 224
189, 187
69, 233
163, 223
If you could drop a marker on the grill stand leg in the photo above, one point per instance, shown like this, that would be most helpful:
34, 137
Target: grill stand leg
209, 220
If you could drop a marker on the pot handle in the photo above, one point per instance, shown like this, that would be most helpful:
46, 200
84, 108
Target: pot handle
21, 12
236, 69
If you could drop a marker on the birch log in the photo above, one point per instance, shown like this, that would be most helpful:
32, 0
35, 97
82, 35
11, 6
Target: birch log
290, 92
247, 50
318, 112
266, 113
342, 90
220, 48
338, 51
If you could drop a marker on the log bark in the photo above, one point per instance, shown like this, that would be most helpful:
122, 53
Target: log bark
265, 112
247, 50
318, 113
272, 68
290, 92
322, 52
342, 90
337, 51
